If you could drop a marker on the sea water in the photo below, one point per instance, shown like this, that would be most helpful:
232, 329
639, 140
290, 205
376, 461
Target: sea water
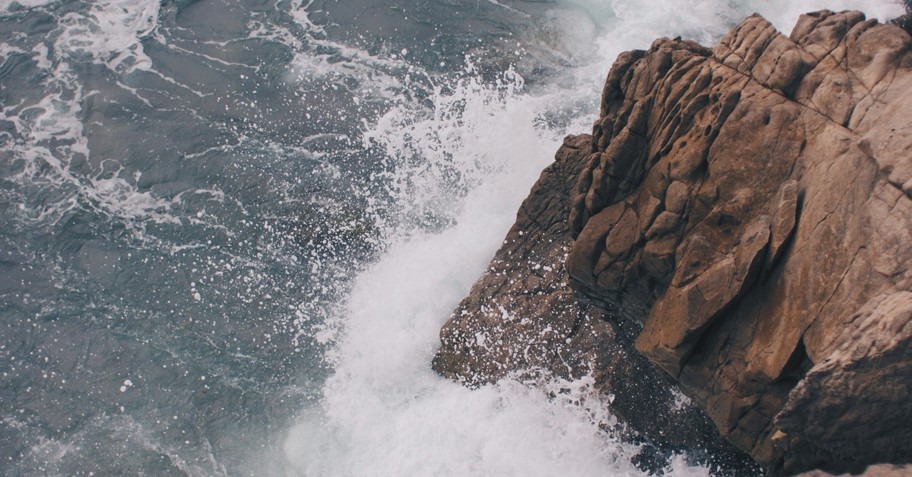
231, 230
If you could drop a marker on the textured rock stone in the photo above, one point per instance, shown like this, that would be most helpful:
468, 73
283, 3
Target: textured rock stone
742, 216
520, 314
751, 208
522, 318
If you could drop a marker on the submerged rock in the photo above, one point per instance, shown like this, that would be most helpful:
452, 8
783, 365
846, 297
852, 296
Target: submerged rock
743, 217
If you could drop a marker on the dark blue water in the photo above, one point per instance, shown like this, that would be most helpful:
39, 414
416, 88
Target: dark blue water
195, 196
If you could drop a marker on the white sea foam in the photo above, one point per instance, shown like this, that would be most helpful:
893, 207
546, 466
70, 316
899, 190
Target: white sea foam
469, 136
385, 412
50, 130
383, 76
6, 4
111, 32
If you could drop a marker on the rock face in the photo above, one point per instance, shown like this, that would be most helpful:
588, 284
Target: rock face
751, 208
522, 317
743, 217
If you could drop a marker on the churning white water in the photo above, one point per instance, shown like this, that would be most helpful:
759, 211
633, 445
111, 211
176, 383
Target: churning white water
384, 412
230, 231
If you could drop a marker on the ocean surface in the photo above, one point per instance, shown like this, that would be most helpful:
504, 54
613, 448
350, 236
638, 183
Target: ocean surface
231, 230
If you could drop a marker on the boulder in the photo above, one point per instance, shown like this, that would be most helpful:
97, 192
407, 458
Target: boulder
737, 227
751, 208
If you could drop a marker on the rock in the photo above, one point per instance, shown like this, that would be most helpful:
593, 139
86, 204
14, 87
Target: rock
520, 314
740, 219
784, 213
750, 208
869, 366
522, 319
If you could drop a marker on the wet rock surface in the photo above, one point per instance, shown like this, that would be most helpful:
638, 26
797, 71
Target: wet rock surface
742, 217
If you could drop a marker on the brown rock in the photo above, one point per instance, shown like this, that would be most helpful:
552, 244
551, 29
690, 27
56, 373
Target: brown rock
751, 209
784, 216
522, 319
516, 320
699, 302
742, 216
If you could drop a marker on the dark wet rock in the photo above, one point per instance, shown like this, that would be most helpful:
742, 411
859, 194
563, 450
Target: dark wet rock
742, 217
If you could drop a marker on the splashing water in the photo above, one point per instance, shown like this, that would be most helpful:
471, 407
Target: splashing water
384, 412
230, 232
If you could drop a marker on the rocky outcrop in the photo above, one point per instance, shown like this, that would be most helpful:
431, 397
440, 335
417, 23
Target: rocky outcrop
751, 208
742, 217
522, 318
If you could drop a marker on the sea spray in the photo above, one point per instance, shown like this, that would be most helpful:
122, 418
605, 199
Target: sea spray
224, 203
384, 412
